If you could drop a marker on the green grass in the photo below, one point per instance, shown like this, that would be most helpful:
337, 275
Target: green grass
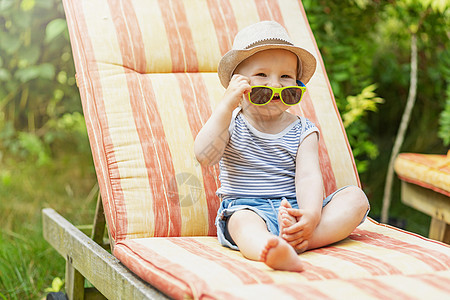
28, 264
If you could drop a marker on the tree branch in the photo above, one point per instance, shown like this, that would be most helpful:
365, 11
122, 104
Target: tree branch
402, 130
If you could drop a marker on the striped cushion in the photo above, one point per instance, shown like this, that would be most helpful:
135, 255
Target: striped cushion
427, 170
374, 262
146, 73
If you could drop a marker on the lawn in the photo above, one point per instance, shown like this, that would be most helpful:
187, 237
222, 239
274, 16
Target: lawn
28, 264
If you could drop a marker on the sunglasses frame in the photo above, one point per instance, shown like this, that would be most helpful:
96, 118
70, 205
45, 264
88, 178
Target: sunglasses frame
300, 85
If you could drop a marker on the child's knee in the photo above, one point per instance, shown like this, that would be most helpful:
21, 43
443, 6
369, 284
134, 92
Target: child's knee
244, 217
358, 198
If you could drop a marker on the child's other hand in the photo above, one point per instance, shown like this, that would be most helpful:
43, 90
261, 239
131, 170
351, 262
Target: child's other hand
298, 234
239, 86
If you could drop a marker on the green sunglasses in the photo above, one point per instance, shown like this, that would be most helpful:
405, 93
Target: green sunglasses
289, 95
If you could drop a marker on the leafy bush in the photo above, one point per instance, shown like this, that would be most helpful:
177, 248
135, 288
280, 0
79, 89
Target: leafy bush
364, 42
345, 36
37, 83
357, 130
444, 119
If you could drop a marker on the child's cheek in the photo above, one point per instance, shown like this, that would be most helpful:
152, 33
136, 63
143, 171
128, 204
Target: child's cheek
244, 101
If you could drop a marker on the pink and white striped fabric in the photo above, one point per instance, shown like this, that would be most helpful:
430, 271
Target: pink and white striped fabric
374, 262
146, 73
146, 70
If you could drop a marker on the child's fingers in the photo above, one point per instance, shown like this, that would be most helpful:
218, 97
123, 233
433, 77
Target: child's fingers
287, 219
294, 228
242, 82
301, 247
293, 236
238, 86
295, 212
241, 86
298, 243
239, 79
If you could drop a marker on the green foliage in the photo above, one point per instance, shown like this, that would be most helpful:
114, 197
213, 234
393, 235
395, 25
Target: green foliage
37, 83
444, 121
355, 110
358, 105
43, 143
391, 67
57, 285
444, 118
364, 42
344, 33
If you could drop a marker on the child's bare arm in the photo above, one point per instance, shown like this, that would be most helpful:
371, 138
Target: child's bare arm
212, 139
309, 187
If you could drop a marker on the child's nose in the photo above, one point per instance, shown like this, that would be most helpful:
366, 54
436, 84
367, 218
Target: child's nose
275, 83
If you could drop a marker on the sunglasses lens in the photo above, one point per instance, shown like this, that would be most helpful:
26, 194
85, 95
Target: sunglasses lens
260, 95
291, 96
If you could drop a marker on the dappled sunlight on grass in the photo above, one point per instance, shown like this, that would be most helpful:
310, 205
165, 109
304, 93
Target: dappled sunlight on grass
28, 264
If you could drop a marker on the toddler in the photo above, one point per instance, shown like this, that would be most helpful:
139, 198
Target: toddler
271, 184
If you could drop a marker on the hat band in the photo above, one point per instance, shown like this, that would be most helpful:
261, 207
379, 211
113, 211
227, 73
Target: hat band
268, 42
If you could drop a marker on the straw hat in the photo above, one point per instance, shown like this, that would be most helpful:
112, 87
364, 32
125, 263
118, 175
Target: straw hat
263, 36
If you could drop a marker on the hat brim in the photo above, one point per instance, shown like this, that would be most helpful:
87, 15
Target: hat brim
233, 58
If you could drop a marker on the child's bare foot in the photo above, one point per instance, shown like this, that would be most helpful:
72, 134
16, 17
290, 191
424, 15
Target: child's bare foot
284, 218
279, 255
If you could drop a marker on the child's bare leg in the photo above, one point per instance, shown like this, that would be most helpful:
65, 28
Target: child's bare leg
339, 218
249, 232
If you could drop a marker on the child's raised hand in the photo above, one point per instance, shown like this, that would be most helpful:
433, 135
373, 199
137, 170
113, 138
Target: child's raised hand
239, 86
298, 234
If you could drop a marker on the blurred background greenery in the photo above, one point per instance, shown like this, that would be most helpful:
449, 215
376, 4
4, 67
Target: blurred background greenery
45, 158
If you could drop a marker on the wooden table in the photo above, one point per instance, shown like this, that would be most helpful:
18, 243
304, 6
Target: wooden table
433, 204
426, 187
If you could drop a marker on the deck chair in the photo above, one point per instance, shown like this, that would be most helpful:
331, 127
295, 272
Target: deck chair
146, 71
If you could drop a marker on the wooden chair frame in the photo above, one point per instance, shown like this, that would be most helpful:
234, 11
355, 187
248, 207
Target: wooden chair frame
88, 258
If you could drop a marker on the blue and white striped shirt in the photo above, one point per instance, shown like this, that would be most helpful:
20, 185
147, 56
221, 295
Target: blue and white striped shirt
261, 165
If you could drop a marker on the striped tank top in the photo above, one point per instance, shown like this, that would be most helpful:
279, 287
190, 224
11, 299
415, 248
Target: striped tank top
261, 165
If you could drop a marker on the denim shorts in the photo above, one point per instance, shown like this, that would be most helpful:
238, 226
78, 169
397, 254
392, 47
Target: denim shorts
267, 209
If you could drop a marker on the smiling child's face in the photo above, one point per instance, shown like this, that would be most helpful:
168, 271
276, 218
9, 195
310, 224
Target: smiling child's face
275, 68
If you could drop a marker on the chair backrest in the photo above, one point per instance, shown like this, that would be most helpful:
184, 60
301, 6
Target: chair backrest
146, 70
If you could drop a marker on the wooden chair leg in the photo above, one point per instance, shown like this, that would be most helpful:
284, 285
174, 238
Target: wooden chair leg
74, 282
439, 230
98, 228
